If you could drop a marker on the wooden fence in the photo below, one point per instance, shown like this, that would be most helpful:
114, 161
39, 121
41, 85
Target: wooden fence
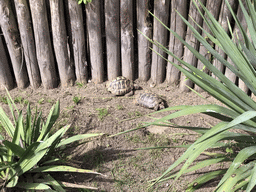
58, 42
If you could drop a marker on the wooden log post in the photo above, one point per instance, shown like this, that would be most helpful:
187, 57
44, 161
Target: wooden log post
144, 25
28, 42
12, 38
214, 8
127, 43
95, 41
44, 50
224, 17
191, 40
6, 79
66, 69
161, 11
228, 73
175, 46
78, 44
112, 29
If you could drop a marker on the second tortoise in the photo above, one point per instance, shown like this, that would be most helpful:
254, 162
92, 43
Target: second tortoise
150, 100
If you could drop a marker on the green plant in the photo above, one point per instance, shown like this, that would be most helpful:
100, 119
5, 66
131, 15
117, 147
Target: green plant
84, 1
28, 154
3, 99
102, 112
18, 99
76, 99
120, 107
239, 112
78, 84
40, 101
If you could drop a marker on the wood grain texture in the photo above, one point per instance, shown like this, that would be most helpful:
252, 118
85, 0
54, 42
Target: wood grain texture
127, 41
161, 11
28, 42
144, 25
112, 26
6, 79
44, 50
12, 37
65, 67
77, 43
95, 41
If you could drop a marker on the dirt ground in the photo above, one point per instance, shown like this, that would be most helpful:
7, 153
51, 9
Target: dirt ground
125, 169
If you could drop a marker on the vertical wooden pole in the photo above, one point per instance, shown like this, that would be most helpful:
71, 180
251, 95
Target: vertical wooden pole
12, 38
77, 42
175, 46
66, 70
214, 8
6, 79
95, 40
28, 42
161, 11
44, 50
144, 25
127, 44
112, 8
195, 17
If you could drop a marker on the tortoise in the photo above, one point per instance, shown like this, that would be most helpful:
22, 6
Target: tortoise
121, 86
150, 100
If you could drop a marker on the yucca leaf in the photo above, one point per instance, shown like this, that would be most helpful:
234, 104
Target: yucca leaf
13, 181
230, 85
207, 140
239, 174
51, 161
192, 153
18, 130
209, 84
35, 155
33, 186
16, 149
250, 21
242, 155
198, 182
198, 166
55, 184
11, 104
62, 168
6, 122
78, 137
28, 129
252, 180
52, 117
238, 120
37, 126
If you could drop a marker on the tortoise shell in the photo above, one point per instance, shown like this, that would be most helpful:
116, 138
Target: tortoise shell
150, 100
120, 86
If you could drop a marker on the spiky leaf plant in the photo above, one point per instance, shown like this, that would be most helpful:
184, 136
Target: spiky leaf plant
240, 110
28, 154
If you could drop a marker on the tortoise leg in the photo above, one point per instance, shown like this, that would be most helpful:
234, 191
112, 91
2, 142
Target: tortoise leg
156, 108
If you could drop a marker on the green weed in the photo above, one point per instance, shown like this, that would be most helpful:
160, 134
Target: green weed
77, 99
102, 112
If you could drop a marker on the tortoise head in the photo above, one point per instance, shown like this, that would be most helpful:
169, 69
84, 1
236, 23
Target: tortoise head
161, 106
137, 87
